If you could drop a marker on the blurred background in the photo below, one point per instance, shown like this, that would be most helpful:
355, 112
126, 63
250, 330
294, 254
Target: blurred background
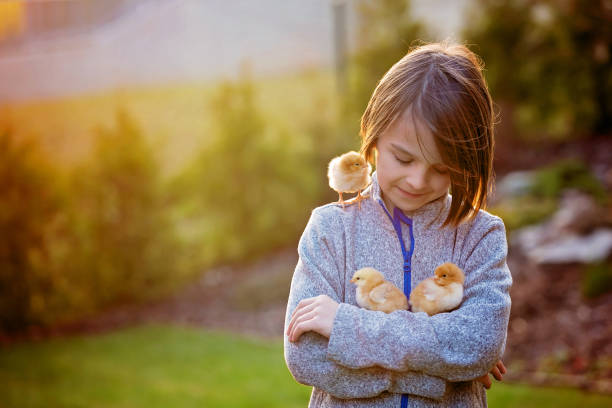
159, 160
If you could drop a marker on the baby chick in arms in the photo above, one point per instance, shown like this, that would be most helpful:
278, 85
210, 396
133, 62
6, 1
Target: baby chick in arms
349, 173
375, 293
441, 293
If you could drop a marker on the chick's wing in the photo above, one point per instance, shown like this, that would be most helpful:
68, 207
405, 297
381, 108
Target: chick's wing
382, 292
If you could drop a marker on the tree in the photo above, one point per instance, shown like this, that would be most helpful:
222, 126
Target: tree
551, 60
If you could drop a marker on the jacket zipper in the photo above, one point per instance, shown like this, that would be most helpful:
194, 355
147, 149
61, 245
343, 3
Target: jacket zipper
396, 220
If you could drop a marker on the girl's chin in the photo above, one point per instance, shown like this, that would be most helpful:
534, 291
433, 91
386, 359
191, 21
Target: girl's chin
407, 204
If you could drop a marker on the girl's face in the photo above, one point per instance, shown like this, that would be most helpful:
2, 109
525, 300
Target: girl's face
410, 174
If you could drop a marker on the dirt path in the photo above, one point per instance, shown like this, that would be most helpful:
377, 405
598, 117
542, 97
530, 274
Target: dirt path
249, 299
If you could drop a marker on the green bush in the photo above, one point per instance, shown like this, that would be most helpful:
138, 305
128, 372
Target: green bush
525, 210
72, 242
597, 279
29, 207
124, 243
551, 60
550, 181
252, 186
387, 31
543, 195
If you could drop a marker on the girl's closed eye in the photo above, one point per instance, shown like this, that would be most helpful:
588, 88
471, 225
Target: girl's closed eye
403, 161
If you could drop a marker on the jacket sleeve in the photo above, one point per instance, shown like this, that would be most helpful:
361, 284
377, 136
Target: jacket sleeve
317, 273
457, 346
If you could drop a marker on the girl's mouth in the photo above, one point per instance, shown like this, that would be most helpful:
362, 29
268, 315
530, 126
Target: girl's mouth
409, 195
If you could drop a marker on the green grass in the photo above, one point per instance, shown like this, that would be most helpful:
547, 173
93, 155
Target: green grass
522, 396
151, 366
168, 366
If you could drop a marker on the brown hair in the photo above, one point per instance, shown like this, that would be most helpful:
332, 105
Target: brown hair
444, 87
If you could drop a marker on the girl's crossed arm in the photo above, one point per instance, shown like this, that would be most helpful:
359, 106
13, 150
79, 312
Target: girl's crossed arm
458, 346
308, 359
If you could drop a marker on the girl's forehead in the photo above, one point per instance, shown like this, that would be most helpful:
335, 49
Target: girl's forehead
410, 133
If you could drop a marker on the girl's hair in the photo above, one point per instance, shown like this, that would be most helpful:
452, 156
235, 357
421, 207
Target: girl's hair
444, 87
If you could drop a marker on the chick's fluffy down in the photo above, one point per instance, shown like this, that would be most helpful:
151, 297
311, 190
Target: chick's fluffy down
441, 293
375, 293
349, 173
387, 298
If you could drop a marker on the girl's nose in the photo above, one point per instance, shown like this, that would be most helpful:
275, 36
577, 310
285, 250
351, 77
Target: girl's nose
418, 179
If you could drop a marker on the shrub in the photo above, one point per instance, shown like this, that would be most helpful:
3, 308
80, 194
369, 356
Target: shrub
551, 180
124, 244
251, 187
29, 207
597, 279
549, 59
386, 33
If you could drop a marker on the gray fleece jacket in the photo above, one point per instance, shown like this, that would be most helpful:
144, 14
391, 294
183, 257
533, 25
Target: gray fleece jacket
401, 359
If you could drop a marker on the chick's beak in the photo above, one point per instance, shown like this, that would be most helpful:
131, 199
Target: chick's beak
353, 280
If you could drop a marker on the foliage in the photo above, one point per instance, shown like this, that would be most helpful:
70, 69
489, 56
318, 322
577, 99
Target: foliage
29, 207
387, 31
73, 242
100, 227
597, 279
252, 185
521, 211
542, 198
550, 181
162, 366
551, 59
124, 243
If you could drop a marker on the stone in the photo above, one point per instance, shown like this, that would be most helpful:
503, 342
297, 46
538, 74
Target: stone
514, 184
590, 248
578, 213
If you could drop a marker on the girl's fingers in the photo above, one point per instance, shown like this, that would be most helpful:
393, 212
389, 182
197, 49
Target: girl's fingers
501, 367
299, 311
306, 302
299, 320
301, 327
496, 373
485, 380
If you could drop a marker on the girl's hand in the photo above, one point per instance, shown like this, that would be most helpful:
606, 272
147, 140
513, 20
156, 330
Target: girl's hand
498, 371
313, 314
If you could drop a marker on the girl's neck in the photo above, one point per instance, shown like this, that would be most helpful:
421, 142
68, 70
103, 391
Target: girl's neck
391, 208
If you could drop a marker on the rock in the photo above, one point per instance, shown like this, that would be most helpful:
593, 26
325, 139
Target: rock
578, 213
513, 184
594, 247
578, 232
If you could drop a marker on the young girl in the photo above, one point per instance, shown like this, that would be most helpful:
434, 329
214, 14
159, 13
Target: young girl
429, 129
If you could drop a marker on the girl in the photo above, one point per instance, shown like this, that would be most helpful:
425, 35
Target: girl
429, 129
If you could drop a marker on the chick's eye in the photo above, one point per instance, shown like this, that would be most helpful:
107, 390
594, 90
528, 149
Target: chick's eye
357, 278
444, 276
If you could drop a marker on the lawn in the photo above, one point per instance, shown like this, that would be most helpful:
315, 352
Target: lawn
169, 366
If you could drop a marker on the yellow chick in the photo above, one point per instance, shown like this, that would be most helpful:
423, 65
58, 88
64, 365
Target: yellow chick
375, 293
440, 293
349, 173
